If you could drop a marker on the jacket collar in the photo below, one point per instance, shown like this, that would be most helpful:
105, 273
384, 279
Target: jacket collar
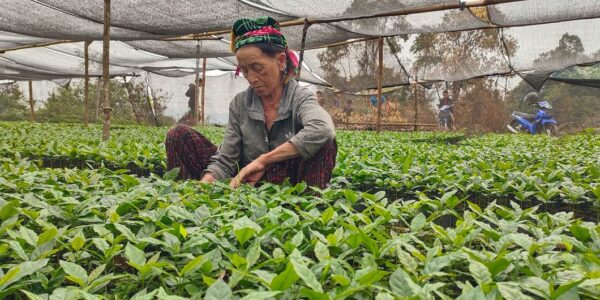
255, 108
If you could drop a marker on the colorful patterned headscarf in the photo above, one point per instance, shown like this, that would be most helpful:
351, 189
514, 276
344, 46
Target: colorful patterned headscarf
261, 30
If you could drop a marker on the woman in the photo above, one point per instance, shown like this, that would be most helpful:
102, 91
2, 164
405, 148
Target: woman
276, 128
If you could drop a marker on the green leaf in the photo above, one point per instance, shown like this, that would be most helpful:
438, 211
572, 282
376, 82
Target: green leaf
244, 229
21, 270
171, 175
47, 236
351, 196
536, 286
266, 277
182, 231
144, 295
304, 272
32, 296
341, 279
260, 295
417, 222
384, 296
285, 279
297, 239
497, 266
327, 215
126, 232
9, 209
300, 187
135, 255
76, 273
564, 288
321, 251
510, 291
28, 235
480, 272
96, 272
472, 294
192, 265
402, 284
219, 291
313, 295
253, 254
581, 233
78, 241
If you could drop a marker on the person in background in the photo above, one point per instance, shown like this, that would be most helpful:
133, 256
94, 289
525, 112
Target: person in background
190, 116
320, 99
276, 128
446, 100
337, 99
347, 110
374, 104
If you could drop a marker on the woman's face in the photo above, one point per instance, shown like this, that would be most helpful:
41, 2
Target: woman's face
262, 72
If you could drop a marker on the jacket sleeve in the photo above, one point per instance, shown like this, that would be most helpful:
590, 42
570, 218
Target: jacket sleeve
317, 126
225, 163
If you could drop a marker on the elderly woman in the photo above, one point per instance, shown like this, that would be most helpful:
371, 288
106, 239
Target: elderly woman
276, 128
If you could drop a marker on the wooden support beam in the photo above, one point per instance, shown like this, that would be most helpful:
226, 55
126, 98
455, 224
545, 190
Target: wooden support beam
105, 71
379, 81
416, 91
86, 84
31, 101
203, 88
195, 113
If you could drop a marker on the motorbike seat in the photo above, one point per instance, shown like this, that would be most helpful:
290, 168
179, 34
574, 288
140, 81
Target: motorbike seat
525, 115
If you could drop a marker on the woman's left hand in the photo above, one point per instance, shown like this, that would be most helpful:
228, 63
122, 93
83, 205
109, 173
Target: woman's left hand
250, 174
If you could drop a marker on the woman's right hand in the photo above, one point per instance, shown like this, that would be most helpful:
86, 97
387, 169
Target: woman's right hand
207, 178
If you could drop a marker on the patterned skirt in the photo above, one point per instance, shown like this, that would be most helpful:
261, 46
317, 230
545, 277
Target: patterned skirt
190, 151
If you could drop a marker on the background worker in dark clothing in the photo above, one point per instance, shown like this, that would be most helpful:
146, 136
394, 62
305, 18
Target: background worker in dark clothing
446, 100
190, 116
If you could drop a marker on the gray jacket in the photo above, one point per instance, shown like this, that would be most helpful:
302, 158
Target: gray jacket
300, 120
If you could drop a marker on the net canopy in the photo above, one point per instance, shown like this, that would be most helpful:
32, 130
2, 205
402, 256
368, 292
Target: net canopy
424, 40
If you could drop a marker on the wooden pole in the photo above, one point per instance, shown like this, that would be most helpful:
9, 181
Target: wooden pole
196, 91
98, 81
105, 71
203, 86
416, 90
86, 84
379, 82
31, 101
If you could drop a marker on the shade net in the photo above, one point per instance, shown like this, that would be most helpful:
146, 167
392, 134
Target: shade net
445, 45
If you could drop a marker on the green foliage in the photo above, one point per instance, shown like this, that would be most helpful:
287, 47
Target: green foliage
13, 106
102, 234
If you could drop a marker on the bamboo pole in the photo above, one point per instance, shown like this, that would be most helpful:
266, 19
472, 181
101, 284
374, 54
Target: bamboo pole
196, 87
31, 101
98, 90
379, 82
86, 84
105, 71
416, 90
203, 87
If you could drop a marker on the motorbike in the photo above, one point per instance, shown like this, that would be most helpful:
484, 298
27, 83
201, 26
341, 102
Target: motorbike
541, 122
445, 117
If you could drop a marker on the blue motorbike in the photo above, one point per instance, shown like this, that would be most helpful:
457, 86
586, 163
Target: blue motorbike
541, 122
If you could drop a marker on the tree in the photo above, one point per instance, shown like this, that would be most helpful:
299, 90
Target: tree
569, 48
574, 106
13, 106
129, 103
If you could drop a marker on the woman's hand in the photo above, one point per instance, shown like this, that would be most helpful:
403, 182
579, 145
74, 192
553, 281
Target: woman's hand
207, 178
250, 174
